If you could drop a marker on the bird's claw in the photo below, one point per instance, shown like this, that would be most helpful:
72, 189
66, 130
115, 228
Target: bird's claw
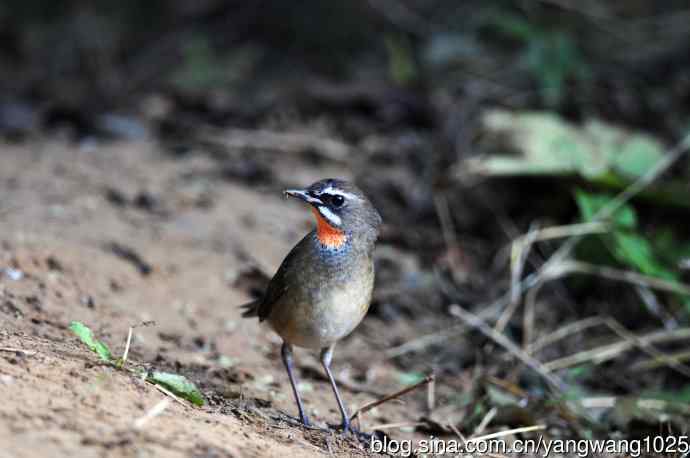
346, 428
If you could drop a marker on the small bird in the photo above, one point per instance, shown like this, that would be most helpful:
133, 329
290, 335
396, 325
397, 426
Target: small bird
323, 288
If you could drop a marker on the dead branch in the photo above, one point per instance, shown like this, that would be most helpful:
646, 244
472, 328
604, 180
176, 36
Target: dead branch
473, 320
370, 405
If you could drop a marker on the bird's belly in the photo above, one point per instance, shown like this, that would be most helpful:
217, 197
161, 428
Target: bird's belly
325, 318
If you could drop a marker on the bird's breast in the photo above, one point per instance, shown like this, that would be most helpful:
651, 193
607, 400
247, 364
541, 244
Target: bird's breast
328, 303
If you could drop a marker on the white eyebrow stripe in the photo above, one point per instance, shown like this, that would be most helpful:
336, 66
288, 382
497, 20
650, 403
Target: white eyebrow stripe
332, 190
311, 200
330, 216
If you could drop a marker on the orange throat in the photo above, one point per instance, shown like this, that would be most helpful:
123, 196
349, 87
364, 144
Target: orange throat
328, 235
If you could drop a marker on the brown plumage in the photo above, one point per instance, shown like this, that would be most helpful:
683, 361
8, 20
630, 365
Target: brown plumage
323, 288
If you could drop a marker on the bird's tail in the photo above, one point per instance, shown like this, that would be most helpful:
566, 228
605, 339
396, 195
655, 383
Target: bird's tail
250, 309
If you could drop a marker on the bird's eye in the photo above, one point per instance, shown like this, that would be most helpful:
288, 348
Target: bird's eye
337, 200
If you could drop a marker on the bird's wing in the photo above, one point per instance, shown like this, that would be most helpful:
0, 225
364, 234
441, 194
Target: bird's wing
280, 282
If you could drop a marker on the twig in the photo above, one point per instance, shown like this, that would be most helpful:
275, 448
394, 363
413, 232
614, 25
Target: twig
486, 310
403, 424
126, 352
657, 362
627, 276
19, 350
563, 332
370, 405
485, 421
424, 341
647, 348
447, 226
473, 320
529, 314
448, 231
508, 432
655, 307
518, 256
610, 351
152, 413
457, 433
571, 266
431, 396
520, 250
570, 230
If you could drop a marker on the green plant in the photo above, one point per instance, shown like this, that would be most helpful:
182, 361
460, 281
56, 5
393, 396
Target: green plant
625, 243
544, 144
175, 383
551, 56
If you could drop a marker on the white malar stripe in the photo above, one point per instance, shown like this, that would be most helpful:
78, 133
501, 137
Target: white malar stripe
332, 190
330, 216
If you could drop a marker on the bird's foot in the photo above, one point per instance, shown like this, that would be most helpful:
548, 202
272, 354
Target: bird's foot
302, 421
347, 428
305, 421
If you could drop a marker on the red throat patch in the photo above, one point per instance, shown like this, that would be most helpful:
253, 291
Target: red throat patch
327, 234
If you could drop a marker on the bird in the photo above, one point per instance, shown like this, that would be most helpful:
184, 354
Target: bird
323, 288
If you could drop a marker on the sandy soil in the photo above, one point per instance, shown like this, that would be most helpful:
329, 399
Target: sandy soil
205, 239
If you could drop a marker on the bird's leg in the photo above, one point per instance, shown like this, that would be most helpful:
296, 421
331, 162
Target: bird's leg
286, 353
326, 357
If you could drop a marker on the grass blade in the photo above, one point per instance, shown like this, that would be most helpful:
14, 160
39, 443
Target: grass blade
179, 385
86, 336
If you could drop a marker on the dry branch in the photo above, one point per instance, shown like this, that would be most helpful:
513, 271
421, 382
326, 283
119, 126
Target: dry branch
563, 332
473, 320
610, 351
370, 405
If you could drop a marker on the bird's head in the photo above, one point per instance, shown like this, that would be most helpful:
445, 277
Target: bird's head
342, 211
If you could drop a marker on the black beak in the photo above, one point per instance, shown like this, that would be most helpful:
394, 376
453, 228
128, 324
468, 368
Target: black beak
303, 195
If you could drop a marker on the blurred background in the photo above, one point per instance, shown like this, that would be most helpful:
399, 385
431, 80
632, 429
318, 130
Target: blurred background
528, 158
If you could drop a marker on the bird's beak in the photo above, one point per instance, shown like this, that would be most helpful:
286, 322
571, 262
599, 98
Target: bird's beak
302, 195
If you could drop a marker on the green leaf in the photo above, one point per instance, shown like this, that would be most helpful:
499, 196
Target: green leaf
628, 247
637, 156
589, 204
636, 251
410, 378
86, 336
177, 384
543, 143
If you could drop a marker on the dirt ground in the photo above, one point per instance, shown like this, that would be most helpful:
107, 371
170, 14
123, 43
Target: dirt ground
63, 207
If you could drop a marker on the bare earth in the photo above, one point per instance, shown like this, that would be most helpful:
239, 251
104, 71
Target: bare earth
62, 209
